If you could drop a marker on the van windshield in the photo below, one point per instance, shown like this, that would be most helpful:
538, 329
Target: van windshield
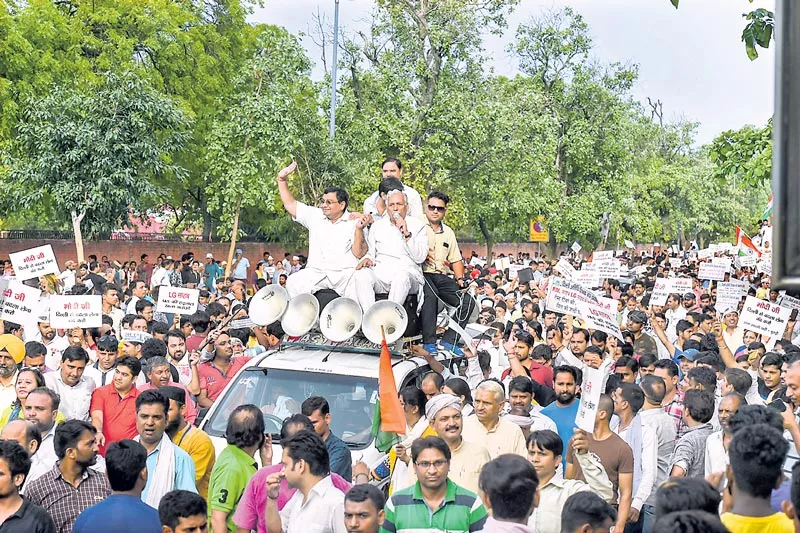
279, 394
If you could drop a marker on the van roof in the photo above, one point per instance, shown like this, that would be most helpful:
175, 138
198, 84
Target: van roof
335, 362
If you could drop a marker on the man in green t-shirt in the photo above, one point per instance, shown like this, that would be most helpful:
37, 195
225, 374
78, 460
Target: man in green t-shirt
235, 465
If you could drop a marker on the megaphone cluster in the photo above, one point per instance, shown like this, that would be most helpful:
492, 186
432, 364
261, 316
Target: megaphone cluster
340, 320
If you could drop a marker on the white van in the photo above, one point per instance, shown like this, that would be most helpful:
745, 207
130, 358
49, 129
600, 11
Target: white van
278, 382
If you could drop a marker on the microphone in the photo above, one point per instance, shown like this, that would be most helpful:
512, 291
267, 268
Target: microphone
395, 215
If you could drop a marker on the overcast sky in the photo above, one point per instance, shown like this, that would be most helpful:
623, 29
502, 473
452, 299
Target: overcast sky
692, 59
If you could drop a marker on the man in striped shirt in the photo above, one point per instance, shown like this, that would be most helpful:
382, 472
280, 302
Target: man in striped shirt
433, 502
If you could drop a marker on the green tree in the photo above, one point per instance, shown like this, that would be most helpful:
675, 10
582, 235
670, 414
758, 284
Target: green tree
94, 154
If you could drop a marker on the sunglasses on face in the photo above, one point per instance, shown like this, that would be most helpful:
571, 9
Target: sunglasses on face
439, 208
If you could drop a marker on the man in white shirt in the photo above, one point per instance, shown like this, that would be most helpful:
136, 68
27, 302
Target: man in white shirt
161, 275
41, 409
398, 244
55, 345
332, 256
139, 291
673, 313
317, 505
102, 370
74, 389
375, 205
67, 278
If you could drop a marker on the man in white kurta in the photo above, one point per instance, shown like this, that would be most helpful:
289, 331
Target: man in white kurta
331, 259
398, 244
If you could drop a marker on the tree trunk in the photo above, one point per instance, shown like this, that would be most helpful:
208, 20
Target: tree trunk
487, 235
207, 223
234, 234
76, 228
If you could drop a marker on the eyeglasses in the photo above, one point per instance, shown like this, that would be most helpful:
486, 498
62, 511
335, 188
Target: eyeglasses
439, 208
329, 202
438, 464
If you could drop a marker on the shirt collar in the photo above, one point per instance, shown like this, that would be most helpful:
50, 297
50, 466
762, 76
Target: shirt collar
450, 496
242, 456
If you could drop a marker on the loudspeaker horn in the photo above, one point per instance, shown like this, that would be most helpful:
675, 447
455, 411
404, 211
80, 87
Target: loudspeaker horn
341, 319
268, 305
301, 315
388, 314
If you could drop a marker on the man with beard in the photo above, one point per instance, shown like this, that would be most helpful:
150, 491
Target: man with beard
74, 389
55, 345
190, 439
716, 459
21, 514
70, 486
245, 437
41, 409
642, 342
12, 352
525, 359
168, 466
113, 407
563, 411
216, 373
184, 363
520, 399
466, 459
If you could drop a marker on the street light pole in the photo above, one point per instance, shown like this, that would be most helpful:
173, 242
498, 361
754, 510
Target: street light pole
333, 70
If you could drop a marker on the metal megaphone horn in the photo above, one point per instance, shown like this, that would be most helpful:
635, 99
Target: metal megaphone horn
388, 314
268, 305
301, 315
341, 319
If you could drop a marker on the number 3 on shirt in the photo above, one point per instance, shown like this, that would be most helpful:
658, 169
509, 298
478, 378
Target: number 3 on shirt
223, 496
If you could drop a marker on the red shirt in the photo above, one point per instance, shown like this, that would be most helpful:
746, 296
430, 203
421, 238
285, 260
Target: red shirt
541, 374
213, 380
193, 342
119, 414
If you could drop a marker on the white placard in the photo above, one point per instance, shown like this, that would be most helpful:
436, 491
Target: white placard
177, 300
713, 271
502, 263
729, 294
607, 269
705, 253
513, 271
76, 311
629, 244
602, 255
587, 276
764, 317
765, 266
566, 268
563, 297
591, 389
786, 301
601, 315
575, 247
34, 262
747, 260
18, 302
665, 286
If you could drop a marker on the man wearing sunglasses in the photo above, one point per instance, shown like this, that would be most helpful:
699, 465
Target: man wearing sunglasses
444, 260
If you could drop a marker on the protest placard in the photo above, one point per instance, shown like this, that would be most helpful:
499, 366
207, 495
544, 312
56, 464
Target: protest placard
587, 276
764, 317
665, 286
705, 253
502, 263
563, 295
786, 301
602, 255
68, 311
607, 269
575, 247
601, 315
513, 271
729, 294
34, 262
629, 244
565, 268
714, 269
765, 266
177, 300
591, 389
747, 260
18, 302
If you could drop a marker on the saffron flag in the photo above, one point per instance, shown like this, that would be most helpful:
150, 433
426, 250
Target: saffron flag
389, 421
768, 210
743, 241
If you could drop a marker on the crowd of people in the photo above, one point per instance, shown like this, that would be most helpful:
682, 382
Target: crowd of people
695, 429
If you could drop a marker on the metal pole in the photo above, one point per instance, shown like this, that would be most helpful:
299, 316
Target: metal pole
333, 69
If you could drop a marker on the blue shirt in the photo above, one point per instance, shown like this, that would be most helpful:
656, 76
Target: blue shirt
339, 457
184, 471
120, 513
564, 417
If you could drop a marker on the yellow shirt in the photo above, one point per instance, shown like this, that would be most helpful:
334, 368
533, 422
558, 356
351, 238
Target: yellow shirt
445, 250
775, 523
5, 417
198, 445
506, 437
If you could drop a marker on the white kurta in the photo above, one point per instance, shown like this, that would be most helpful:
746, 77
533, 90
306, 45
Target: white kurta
398, 260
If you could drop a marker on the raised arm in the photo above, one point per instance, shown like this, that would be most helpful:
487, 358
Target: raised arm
360, 245
289, 203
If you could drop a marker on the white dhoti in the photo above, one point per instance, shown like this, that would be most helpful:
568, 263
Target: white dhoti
399, 283
353, 284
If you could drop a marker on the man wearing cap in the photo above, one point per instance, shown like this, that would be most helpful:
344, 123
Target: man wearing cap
332, 253
211, 271
239, 266
731, 331
443, 412
690, 303
67, 278
642, 342
12, 352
